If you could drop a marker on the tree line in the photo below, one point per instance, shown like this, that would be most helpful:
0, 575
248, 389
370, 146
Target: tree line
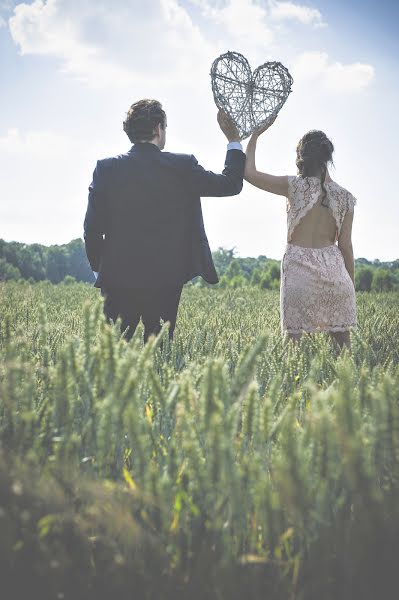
36, 262
67, 263
264, 272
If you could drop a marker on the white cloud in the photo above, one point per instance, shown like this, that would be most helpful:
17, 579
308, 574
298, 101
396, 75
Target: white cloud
43, 28
138, 44
283, 11
184, 48
332, 76
251, 20
40, 144
2, 22
106, 47
242, 19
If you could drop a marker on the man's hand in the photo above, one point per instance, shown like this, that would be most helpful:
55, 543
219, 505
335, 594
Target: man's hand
228, 127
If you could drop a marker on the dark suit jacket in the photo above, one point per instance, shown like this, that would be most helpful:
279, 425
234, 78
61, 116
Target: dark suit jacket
144, 226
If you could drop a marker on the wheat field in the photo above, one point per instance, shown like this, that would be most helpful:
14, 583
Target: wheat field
228, 463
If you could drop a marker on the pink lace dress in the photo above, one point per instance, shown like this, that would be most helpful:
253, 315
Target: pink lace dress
316, 291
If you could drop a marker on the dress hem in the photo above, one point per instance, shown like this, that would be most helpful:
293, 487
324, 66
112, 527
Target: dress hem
319, 329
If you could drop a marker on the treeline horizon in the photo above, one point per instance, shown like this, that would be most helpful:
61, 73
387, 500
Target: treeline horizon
67, 263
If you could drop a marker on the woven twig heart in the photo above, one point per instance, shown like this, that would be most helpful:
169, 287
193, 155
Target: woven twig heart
250, 99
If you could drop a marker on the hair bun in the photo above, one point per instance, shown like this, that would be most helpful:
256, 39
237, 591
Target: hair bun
314, 151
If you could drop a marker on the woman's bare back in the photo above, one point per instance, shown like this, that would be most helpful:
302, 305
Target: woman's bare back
317, 228
311, 224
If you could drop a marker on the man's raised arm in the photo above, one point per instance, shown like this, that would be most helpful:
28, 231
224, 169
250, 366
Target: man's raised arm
230, 181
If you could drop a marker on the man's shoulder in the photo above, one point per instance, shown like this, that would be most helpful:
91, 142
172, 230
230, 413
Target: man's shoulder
178, 158
108, 161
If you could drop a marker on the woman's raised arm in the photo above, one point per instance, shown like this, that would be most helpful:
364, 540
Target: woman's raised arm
263, 181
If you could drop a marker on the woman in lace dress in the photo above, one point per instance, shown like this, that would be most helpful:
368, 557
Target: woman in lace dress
317, 274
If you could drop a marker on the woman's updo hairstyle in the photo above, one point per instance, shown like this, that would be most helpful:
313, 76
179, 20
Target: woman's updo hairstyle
313, 154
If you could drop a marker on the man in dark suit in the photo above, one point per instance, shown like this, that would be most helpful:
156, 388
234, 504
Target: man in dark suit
143, 230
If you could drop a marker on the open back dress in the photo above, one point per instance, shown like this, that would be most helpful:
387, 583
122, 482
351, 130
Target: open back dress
317, 293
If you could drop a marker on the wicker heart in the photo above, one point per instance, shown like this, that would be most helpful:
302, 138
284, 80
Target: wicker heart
251, 99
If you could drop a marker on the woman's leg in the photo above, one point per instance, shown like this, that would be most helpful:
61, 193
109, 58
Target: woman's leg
295, 337
342, 338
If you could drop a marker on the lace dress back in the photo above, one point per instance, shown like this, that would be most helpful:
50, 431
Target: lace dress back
317, 293
305, 193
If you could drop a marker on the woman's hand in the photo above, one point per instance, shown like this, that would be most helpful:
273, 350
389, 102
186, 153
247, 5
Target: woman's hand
263, 128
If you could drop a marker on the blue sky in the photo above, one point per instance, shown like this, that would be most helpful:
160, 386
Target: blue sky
71, 68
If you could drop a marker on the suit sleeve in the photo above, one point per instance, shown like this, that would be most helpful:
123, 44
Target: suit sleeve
95, 219
228, 183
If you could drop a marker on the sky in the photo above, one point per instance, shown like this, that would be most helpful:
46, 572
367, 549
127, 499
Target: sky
69, 70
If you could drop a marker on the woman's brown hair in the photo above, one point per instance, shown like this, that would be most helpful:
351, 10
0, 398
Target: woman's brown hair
314, 152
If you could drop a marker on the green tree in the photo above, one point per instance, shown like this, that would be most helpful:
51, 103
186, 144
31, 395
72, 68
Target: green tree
274, 270
256, 277
363, 279
222, 259
7, 271
69, 280
382, 280
267, 278
234, 276
78, 265
57, 264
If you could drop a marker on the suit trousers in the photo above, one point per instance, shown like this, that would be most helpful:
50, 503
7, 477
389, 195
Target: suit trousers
151, 305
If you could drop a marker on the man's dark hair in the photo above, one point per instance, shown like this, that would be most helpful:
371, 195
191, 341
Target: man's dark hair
142, 118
